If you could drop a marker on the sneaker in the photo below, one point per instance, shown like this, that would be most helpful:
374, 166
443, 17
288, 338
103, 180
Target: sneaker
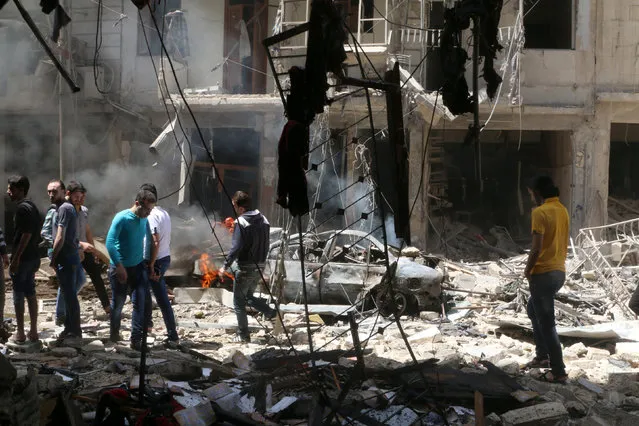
171, 343
538, 362
241, 338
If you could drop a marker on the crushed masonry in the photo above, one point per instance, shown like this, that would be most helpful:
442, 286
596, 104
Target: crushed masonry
480, 343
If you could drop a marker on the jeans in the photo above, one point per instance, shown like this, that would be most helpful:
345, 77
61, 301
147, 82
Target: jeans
2, 295
634, 301
246, 281
138, 283
95, 272
69, 286
60, 303
162, 298
541, 311
24, 280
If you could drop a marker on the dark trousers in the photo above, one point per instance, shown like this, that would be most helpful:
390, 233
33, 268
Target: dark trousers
162, 298
138, 284
94, 271
541, 311
246, 281
634, 301
68, 279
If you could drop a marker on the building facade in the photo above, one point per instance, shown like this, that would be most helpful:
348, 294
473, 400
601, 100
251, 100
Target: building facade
566, 107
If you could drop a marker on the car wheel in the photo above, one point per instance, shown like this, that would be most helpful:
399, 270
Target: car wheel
400, 303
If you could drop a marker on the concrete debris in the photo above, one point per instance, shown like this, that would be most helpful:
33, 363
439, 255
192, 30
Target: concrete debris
478, 341
550, 413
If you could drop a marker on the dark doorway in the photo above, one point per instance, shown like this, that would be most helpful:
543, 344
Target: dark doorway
237, 156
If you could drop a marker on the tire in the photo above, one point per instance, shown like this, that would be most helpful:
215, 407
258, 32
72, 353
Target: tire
400, 304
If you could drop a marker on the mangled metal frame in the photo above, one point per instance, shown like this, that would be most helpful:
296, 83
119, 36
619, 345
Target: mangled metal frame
604, 249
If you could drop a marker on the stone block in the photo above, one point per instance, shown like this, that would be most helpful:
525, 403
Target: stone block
509, 366
575, 351
189, 295
430, 335
597, 354
549, 413
429, 316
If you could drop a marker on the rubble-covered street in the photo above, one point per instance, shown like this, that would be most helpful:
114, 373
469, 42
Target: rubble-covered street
470, 360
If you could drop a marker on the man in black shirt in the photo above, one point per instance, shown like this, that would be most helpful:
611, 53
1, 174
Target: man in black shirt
25, 259
250, 248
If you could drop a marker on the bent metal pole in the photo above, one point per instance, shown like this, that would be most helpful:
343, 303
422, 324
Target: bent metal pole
36, 32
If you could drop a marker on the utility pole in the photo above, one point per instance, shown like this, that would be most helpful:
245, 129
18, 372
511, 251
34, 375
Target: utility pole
61, 43
476, 126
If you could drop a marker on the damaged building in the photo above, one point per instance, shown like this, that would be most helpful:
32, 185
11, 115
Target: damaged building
365, 328
559, 111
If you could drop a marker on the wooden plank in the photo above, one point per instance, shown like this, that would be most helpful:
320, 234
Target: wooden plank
480, 419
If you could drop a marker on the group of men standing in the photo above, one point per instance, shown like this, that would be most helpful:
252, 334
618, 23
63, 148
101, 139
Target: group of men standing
138, 243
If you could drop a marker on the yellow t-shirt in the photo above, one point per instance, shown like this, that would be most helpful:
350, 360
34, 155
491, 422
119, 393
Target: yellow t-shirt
551, 220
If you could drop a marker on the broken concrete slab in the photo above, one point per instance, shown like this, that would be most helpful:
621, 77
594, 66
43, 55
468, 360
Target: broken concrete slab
200, 415
549, 413
94, 346
64, 352
189, 295
177, 371
431, 334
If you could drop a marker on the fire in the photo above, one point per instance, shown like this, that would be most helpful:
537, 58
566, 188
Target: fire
210, 274
229, 223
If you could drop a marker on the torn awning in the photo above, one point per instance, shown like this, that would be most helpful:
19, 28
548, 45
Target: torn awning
167, 142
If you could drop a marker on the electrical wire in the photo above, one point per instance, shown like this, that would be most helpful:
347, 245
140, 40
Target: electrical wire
98, 47
225, 190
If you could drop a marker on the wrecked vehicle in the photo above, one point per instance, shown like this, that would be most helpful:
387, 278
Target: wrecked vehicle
348, 267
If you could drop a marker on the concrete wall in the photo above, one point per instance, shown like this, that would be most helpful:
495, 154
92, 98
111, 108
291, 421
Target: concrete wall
618, 35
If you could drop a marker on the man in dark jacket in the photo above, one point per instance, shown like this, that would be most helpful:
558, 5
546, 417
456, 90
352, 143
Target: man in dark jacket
250, 248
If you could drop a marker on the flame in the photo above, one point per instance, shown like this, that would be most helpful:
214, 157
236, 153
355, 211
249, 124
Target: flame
210, 274
229, 223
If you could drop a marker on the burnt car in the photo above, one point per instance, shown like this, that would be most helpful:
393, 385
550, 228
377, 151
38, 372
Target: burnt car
348, 268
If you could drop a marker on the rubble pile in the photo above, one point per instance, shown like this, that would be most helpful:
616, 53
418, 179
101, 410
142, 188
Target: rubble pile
465, 364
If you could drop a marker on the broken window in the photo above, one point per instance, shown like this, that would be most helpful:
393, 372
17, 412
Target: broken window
170, 23
368, 12
549, 24
245, 26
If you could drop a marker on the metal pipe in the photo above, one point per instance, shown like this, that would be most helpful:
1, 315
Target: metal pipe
36, 32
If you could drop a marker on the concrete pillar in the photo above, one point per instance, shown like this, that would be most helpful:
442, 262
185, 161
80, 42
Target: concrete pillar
591, 147
419, 219
268, 166
559, 148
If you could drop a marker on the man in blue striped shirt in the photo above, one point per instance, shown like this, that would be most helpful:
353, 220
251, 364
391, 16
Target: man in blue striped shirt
125, 243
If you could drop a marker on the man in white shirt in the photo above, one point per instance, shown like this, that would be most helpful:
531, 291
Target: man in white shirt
160, 224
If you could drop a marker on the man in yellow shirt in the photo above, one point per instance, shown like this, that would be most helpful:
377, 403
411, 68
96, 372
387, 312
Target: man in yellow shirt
546, 272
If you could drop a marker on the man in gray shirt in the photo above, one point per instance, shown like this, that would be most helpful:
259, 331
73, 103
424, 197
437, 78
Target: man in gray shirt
65, 259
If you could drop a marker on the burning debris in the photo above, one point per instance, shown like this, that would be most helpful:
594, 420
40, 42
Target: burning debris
210, 274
